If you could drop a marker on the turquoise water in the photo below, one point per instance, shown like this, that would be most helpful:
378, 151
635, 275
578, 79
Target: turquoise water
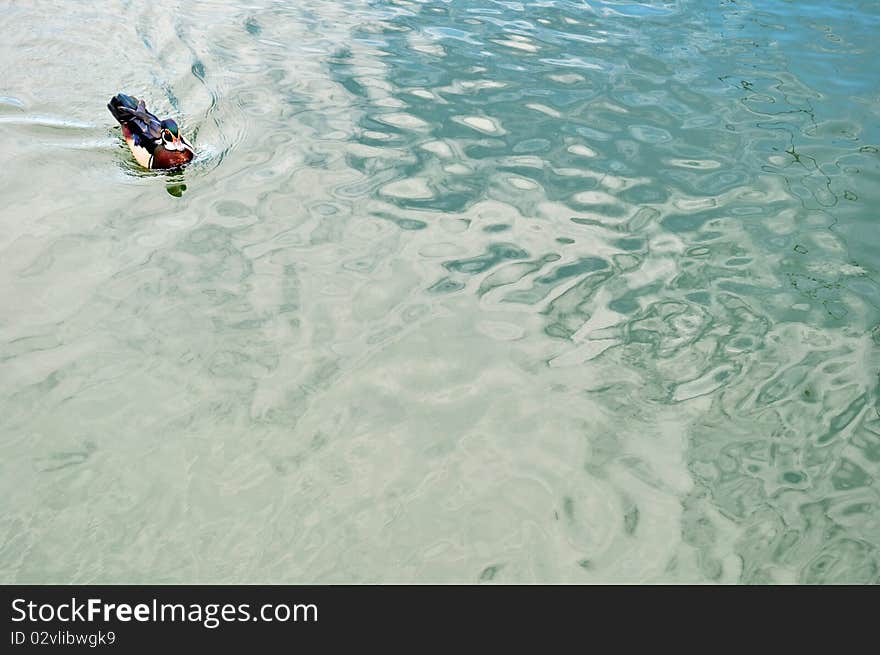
454, 292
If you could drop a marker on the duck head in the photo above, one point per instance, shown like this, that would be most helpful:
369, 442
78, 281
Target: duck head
172, 139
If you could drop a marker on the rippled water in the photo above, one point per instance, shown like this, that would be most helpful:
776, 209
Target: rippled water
455, 291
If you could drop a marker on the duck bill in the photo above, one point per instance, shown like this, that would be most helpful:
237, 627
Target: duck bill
182, 144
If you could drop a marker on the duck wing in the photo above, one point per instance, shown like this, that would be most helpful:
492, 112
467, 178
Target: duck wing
149, 124
133, 112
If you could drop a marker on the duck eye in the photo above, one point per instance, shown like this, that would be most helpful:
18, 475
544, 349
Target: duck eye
166, 135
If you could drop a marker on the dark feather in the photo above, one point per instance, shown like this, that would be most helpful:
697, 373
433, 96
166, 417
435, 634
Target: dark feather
132, 112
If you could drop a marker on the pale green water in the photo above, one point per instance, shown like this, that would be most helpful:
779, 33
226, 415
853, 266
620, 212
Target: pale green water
457, 291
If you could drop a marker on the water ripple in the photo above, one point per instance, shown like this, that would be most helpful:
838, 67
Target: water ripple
460, 291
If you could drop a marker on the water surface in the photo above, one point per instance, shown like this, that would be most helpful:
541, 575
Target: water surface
455, 291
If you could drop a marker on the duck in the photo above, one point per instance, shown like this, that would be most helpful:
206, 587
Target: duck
155, 144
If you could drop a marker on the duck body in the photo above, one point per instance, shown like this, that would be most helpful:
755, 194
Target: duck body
155, 144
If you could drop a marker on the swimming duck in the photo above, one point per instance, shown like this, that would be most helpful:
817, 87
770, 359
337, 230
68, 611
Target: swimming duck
154, 143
